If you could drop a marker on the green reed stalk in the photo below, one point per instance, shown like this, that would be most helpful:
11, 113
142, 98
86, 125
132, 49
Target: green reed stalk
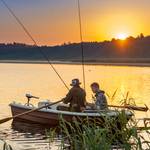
91, 134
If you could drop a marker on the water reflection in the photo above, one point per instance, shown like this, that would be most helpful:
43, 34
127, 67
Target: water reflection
32, 128
24, 136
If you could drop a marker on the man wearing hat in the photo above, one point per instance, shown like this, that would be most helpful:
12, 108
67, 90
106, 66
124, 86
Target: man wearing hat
76, 97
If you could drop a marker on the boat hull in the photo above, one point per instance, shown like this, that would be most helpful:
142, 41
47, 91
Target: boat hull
40, 117
52, 118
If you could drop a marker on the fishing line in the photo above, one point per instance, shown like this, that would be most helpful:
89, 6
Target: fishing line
35, 43
81, 40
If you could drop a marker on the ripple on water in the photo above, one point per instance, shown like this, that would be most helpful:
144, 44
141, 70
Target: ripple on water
23, 136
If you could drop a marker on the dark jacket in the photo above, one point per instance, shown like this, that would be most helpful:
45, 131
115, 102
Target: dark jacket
76, 97
101, 101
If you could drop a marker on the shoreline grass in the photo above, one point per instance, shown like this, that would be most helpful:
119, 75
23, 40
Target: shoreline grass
5, 145
115, 133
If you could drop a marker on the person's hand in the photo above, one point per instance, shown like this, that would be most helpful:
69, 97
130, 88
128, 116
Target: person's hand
82, 109
93, 98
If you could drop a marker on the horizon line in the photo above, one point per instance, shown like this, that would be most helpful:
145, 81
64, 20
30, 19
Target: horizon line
141, 35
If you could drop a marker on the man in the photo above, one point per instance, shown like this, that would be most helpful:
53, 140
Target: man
101, 101
76, 97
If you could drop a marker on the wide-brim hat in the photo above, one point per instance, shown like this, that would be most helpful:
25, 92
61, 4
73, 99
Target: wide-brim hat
75, 82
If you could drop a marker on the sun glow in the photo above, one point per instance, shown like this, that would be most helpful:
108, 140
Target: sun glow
121, 36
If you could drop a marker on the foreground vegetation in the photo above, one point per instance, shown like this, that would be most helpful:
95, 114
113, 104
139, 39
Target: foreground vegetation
114, 133
5, 146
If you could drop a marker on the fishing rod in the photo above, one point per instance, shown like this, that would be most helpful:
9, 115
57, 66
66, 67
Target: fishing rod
81, 41
34, 41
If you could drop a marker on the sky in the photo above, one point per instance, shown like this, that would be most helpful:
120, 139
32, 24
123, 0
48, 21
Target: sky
54, 22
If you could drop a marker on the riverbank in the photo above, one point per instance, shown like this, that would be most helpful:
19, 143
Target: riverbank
135, 64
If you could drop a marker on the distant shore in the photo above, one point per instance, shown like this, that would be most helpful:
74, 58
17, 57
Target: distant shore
137, 64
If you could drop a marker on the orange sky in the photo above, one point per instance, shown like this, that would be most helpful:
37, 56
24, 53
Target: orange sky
56, 21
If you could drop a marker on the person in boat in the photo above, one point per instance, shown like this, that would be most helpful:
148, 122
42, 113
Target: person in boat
100, 98
76, 97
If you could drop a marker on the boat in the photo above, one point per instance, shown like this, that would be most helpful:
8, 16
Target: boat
51, 116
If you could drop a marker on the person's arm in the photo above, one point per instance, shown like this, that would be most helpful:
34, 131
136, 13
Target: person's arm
105, 102
68, 98
83, 103
84, 100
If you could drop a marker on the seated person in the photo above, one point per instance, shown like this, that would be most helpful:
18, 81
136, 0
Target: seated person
101, 100
76, 97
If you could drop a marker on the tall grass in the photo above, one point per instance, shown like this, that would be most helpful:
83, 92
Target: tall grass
102, 134
6, 146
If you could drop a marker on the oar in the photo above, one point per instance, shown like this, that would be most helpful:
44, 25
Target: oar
27, 112
131, 107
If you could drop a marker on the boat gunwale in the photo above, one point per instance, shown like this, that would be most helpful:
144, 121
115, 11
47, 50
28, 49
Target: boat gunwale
111, 113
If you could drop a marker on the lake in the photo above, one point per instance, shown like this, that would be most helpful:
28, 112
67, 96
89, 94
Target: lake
17, 79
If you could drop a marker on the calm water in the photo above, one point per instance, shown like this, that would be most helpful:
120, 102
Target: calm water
40, 80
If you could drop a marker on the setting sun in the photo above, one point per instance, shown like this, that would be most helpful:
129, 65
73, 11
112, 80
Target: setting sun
121, 36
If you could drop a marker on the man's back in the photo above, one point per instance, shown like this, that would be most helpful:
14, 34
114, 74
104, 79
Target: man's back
101, 100
76, 97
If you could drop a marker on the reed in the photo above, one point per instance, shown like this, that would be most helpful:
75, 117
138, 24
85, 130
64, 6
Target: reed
114, 133
6, 146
